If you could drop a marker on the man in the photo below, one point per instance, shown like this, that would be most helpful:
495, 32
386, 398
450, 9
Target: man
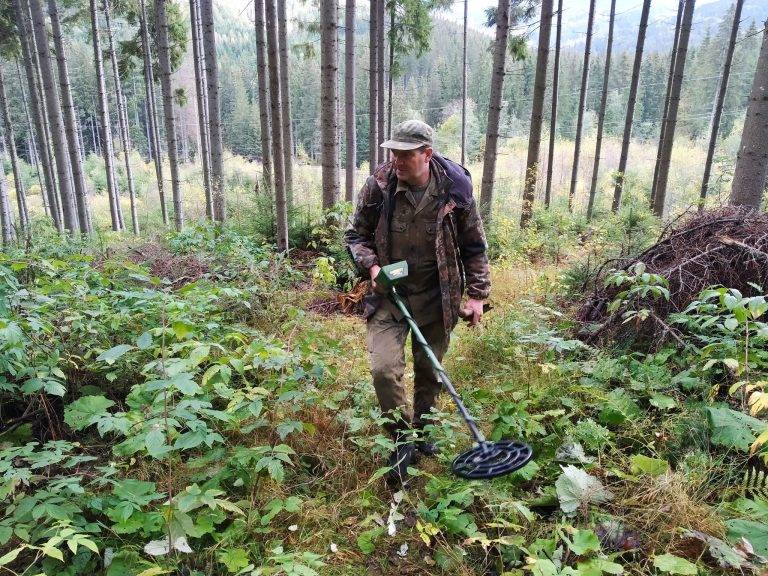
417, 207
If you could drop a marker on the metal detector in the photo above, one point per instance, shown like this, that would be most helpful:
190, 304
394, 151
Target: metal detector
487, 459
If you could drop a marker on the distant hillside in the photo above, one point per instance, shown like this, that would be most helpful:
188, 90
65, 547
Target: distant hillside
661, 26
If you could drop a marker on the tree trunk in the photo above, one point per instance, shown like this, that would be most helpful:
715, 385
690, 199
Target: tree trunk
329, 121
373, 98
204, 139
81, 146
10, 145
31, 141
122, 117
285, 99
619, 188
56, 118
464, 87
149, 90
670, 76
148, 132
349, 100
164, 58
537, 114
183, 136
214, 117
601, 114
380, 69
263, 83
391, 66
494, 108
48, 191
54, 200
105, 123
281, 209
95, 135
70, 122
752, 162
674, 102
582, 103
6, 219
717, 108
553, 116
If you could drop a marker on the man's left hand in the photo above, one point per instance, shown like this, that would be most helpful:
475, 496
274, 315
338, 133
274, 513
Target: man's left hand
472, 312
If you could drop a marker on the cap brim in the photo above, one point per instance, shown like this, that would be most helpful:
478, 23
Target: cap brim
399, 145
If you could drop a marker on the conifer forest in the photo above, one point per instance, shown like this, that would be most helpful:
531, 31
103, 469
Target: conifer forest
194, 207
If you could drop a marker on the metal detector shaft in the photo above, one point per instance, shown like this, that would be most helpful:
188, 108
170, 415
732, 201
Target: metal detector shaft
438, 367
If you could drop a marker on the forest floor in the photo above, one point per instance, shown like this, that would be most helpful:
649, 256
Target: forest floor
186, 404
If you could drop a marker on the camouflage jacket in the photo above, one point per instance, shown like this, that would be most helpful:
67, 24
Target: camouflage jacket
460, 244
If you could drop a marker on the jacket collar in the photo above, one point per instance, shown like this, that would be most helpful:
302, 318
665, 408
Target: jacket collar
386, 179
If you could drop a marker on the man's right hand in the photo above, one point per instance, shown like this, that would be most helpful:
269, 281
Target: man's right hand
374, 271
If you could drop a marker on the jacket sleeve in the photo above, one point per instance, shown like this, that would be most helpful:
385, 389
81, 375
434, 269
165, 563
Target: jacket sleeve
473, 252
359, 235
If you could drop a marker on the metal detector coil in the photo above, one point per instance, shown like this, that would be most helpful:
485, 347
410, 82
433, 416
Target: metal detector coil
487, 459
491, 459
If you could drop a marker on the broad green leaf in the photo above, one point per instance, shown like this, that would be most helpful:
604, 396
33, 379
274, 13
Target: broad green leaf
276, 470
109, 356
733, 429
618, 408
210, 373
599, 566
757, 307
663, 402
228, 506
288, 427
543, 567
672, 564
185, 384
86, 411
182, 329
731, 324
144, 341
155, 443
367, 540
234, 559
53, 552
200, 354
755, 532
10, 556
191, 439
584, 541
54, 388
154, 571
756, 509
527, 472
641, 464
731, 363
576, 488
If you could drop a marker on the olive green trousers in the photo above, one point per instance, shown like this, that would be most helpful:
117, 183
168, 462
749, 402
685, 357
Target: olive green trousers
386, 338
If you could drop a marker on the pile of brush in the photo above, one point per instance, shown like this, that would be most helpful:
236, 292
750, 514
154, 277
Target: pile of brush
724, 247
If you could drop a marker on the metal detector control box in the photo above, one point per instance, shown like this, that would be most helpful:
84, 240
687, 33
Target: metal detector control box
392, 274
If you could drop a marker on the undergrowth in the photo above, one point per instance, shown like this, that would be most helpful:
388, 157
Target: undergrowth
215, 425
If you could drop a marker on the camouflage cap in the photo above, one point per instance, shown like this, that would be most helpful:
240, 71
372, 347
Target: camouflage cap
410, 135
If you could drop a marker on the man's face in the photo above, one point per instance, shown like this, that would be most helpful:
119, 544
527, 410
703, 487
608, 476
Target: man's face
412, 166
